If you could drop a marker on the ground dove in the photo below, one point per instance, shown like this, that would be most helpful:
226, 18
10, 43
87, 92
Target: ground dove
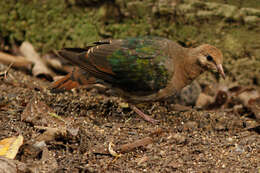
144, 69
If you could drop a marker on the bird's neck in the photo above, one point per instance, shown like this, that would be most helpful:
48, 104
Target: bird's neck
191, 67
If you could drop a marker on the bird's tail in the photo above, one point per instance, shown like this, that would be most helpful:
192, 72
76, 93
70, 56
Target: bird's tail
73, 55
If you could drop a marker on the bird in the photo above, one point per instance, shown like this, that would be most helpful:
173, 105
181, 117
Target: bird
141, 69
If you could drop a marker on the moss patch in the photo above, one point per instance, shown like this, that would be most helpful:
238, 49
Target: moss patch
47, 24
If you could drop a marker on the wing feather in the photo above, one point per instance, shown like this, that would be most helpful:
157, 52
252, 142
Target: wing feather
133, 64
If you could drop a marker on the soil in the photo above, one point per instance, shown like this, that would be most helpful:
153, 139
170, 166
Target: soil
187, 141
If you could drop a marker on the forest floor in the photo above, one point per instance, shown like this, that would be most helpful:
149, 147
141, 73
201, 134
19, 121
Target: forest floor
88, 122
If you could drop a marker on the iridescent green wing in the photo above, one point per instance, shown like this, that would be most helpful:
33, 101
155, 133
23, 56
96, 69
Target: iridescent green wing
140, 64
133, 64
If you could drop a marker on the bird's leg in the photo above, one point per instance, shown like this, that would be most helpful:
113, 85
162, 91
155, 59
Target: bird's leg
143, 115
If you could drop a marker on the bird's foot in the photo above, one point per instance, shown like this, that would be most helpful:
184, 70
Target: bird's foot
144, 116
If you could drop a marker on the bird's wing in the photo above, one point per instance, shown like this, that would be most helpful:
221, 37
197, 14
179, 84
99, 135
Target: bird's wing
135, 64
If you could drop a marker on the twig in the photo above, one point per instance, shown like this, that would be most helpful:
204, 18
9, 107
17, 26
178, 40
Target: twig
18, 61
6, 71
153, 136
133, 145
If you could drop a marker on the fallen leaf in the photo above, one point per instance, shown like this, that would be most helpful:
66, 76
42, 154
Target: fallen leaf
40, 114
247, 94
49, 133
30, 151
48, 162
12, 166
204, 100
40, 68
9, 146
44, 118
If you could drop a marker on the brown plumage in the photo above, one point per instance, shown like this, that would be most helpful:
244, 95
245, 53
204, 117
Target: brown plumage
144, 69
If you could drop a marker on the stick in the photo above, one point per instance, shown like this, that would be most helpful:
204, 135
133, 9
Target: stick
131, 146
16, 61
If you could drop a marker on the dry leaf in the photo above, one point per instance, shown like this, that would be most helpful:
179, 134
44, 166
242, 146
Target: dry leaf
40, 68
50, 133
40, 114
43, 117
12, 166
246, 94
10, 146
204, 100
48, 162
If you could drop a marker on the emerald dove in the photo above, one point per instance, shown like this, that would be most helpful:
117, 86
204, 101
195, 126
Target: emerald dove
142, 69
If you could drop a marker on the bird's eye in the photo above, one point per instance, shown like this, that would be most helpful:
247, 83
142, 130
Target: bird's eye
209, 58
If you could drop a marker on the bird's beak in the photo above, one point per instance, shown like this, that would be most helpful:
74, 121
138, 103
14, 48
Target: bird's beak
221, 71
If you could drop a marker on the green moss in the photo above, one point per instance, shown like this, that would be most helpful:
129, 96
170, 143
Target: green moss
247, 3
44, 26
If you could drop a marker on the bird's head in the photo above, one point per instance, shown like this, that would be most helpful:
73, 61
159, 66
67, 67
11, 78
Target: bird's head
210, 58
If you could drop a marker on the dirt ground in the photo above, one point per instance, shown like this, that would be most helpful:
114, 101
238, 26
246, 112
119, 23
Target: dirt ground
187, 141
